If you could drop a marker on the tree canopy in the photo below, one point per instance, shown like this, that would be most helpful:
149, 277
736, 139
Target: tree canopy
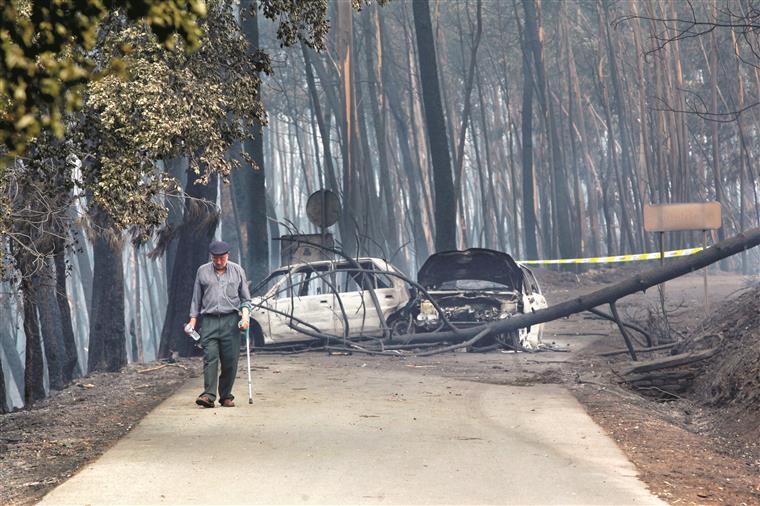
46, 55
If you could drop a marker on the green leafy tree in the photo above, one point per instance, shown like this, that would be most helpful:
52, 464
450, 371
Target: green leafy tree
45, 55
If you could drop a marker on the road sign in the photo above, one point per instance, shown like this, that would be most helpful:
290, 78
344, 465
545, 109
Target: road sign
661, 218
304, 248
323, 208
673, 217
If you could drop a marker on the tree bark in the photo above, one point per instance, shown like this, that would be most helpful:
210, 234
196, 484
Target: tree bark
70, 364
107, 347
329, 180
3, 402
561, 223
528, 177
445, 202
465, 118
51, 327
34, 387
379, 121
250, 189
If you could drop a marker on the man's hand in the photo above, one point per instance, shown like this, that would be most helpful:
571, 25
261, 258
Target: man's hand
243, 324
192, 323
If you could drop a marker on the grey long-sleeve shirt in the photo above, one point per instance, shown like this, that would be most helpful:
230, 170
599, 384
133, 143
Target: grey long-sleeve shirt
218, 294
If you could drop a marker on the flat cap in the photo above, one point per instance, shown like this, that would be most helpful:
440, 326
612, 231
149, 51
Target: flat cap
218, 248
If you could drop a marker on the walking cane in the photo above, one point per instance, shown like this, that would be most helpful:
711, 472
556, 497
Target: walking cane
248, 358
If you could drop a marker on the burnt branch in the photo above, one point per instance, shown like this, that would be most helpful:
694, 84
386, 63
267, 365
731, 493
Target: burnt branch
745, 23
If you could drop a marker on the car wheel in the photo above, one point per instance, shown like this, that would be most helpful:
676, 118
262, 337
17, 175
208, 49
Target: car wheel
401, 326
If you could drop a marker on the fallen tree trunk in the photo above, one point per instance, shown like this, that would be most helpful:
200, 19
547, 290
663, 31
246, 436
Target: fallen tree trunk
668, 362
638, 350
638, 283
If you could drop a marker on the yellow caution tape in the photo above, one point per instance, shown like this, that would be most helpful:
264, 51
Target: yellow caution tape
614, 259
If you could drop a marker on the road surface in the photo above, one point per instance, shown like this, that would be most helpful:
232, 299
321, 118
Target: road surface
357, 434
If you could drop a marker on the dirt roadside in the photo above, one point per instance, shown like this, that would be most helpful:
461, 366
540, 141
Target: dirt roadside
42, 447
679, 452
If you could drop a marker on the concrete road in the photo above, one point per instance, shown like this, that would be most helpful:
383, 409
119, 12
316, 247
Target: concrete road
348, 434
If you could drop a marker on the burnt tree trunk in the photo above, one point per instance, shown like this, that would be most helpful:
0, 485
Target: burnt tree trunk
34, 387
445, 202
108, 338
51, 329
3, 406
323, 121
70, 359
375, 66
528, 190
561, 203
195, 234
249, 190
13, 362
84, 264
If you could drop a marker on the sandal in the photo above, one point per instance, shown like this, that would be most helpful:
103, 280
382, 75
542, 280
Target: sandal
204, 401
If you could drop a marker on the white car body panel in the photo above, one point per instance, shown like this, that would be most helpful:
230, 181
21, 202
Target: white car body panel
322, 310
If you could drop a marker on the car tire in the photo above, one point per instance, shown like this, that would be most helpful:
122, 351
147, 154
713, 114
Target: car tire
401, 326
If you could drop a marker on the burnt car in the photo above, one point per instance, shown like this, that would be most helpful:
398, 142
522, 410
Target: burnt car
477, 286
333, 297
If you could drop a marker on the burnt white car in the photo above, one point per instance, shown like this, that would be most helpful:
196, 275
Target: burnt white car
341, 298
477, 286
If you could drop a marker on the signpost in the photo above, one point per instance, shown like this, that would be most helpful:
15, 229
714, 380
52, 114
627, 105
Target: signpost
323, 210
663, 218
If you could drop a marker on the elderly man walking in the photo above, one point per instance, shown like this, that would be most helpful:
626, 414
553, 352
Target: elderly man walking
220, 289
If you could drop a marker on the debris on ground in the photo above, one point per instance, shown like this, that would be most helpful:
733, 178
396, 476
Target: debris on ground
701, 446
730, 379
44, 446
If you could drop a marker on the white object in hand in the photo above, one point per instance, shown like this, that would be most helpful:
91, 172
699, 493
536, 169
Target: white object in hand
190, 331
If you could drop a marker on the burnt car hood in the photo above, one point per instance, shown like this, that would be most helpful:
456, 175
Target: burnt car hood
474, 263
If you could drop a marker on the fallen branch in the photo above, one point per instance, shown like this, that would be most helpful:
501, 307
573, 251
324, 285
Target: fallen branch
668, 362
150, 369
638, 350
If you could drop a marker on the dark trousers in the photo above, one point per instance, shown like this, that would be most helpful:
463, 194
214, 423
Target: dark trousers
220, 338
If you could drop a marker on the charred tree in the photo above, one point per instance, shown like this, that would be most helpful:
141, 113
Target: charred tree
196, 232
375, 67
108, 337
445, 201
70, 359
34, 387
3, 401
528, 177
562, 225
249, 189
51, 329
